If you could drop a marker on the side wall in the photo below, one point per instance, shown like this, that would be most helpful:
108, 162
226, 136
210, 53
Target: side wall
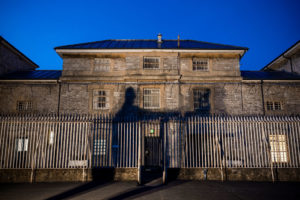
293, 63
10, 61
44, 97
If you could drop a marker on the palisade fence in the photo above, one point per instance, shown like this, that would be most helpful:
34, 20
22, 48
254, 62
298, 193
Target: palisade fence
92, 141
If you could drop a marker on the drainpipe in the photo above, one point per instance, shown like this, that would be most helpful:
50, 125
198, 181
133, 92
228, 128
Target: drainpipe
59, 93
262, 97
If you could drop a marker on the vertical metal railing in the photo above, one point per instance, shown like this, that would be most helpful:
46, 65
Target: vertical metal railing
92, 141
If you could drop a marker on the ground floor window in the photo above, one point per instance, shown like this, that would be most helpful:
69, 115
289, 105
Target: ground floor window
99, 147
278, 148
201, 99
24, 106
100, 99
274, 105
151, 98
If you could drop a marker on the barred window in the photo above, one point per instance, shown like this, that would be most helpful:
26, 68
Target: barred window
24, 106
151, 62
201, 99
200, 64
278, 148
100, 99
102, 64
274, 105
99, 147
151, 98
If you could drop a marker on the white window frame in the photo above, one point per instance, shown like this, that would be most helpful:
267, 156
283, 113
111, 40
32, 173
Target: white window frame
147, 64
102, 64
99, 147
278, 148
149, 94
100, 93
22, 144
274, 105
24, 106
197, 64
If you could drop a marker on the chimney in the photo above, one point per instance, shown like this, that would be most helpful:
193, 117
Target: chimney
159, 36
178, 41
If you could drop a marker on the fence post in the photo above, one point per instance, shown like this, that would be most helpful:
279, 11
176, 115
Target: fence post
165, 153
140, 155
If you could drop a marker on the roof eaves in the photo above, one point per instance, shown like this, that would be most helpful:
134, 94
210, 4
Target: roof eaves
298, 42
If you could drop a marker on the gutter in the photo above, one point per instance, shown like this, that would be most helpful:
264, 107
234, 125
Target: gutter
29, 81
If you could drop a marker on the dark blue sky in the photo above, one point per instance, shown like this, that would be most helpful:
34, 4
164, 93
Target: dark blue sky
266, 27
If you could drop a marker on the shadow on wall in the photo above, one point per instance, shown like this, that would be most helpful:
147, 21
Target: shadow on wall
118, 147
124, 145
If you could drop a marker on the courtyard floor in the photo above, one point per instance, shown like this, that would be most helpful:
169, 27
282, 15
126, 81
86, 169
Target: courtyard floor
174, 190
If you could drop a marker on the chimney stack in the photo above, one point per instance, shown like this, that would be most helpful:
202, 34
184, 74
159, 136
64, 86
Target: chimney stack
159, 38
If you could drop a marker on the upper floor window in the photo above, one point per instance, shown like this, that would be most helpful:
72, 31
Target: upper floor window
278, 148
151, 98
274, 105
200, 64
151, 63
24, 106
201, 99
102, 64
100, 99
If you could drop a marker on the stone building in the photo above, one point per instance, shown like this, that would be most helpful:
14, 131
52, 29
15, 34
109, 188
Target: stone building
185, 76
130, 77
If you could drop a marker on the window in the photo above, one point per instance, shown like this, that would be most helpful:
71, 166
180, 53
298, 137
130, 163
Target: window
200, 64
24, 106
278, 148
102, 64
22, 144
151, 98
151, 62
201, 99
99, 147
274, 105
51, 137
100, 99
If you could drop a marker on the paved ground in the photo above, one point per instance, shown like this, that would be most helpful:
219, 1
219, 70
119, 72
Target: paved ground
174, 190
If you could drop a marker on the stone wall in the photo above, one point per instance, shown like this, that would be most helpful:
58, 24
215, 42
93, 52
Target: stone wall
67, 175
131, 174
74, 98
236, 98
43, 96
131, 64
235, 174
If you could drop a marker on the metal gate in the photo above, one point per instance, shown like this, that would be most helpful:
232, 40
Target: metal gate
152, 144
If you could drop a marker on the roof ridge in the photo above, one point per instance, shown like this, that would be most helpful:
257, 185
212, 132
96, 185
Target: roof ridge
110, 41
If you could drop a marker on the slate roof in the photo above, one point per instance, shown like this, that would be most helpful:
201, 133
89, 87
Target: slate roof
33, 75
268, 75
151, 44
